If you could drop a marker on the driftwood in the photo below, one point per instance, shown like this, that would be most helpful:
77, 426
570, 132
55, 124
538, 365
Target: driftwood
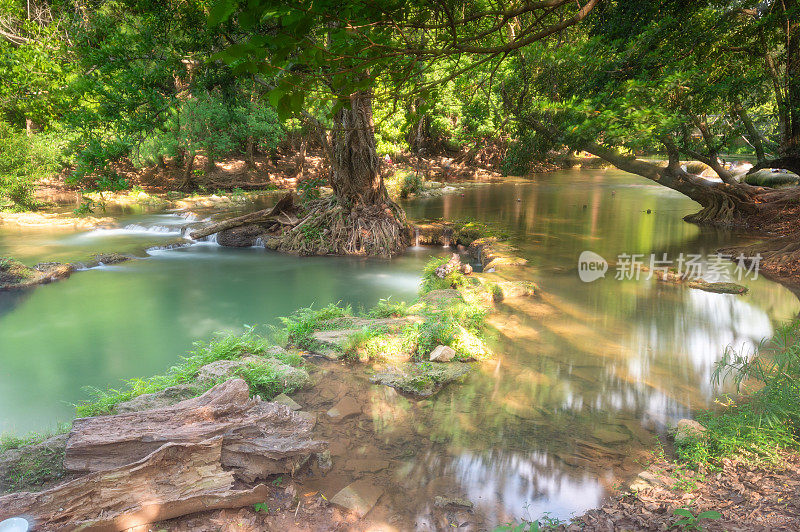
283, 213
258, 438
175, 480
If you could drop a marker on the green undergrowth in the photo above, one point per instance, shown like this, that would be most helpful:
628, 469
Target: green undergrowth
765, 421
12, 441
265, 380
431, 281
302, 323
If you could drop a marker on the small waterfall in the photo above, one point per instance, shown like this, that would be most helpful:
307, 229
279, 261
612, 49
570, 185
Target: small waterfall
259, 243
446, 237
416, 236
160, 229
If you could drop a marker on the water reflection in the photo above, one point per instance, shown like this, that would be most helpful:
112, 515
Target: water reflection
587, 375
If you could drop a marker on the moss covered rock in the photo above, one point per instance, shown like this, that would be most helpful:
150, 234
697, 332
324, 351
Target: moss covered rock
421, 379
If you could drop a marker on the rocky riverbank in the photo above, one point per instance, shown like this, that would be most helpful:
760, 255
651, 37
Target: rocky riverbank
207, 415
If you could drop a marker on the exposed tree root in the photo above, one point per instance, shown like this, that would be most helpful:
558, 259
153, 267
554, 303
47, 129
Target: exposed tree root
330, 228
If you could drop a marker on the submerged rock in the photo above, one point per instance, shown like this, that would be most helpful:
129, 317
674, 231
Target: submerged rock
421, 379
166, 397
444, 502
347, 407
359, 497
111, 258
284, 399
33, 465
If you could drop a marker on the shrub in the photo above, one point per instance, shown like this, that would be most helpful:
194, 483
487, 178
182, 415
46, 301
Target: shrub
431, 281
23, 161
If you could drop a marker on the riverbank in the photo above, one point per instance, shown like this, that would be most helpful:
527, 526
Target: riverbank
416, 349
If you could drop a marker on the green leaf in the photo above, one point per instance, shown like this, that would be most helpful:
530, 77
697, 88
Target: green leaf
709, 514
683, 512
220, 11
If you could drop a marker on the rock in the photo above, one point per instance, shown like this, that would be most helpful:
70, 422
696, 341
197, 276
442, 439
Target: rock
647, 480
330, 343
442, 353
444, 502
421, 379
225, 369
359, 497
111, 258
430, 234
260, 438
309, 417
33, 465
286, 400
166, 397
240, 237
687, 430
344, 409
719, 288
324, 461
453, 265
609, 436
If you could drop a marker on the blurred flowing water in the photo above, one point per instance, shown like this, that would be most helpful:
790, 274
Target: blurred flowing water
586, 376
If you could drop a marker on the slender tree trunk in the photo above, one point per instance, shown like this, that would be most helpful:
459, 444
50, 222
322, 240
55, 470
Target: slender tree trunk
790, 147
188, 172
300, 160
250, 152
355, 175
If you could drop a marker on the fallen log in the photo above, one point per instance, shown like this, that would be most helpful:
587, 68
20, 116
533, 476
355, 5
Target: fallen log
283, 213
175, 480
258, 438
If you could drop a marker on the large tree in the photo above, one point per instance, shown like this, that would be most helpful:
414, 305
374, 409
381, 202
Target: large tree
349, 53
686, 78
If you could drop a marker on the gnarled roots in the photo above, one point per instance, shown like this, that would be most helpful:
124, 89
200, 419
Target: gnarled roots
330, 227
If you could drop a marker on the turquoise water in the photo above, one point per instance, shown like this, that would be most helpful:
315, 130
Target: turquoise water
587, 375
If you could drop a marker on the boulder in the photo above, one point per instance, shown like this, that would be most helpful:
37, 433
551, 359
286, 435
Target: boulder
442, 353
240, 237
358, 498
687, 430
258, 438
166, 397
421, 379
225, 369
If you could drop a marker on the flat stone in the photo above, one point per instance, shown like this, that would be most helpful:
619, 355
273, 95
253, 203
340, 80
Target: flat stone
286, 400
609, 436
359, 497
442, 353
444, 502
687, 430
225, 369
345, 408
166, 397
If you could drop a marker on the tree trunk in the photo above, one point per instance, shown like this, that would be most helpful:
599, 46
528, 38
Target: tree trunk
250, 152
188, 172
790, 147
355, 175
300, 160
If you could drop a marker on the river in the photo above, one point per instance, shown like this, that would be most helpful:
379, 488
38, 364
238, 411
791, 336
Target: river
587, 375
